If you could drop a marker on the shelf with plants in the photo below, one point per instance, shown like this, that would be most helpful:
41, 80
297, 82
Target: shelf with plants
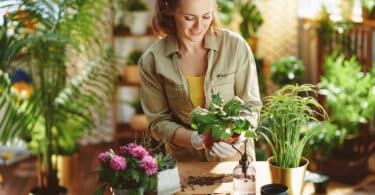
131, 35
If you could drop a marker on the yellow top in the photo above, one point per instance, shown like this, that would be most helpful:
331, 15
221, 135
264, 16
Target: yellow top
196, 90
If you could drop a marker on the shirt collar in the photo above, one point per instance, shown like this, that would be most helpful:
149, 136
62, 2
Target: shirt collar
210, 42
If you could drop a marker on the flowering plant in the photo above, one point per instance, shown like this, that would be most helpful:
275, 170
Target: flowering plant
132, 168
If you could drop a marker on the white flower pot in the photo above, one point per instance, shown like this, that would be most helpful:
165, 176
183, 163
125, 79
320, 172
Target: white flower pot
168, 181
127, 94
137, 191
138, 22
125, 113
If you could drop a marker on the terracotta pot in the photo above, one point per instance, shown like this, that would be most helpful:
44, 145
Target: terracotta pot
132, 75
209, 140
139, 122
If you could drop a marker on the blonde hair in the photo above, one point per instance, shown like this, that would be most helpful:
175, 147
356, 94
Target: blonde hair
163, 22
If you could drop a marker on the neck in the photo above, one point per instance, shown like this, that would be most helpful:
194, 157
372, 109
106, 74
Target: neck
187, 46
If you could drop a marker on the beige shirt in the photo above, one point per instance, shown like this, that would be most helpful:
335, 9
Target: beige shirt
165, 92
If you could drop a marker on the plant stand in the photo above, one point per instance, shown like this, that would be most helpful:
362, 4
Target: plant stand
349, 171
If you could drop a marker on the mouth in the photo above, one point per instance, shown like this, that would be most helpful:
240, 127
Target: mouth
196, 33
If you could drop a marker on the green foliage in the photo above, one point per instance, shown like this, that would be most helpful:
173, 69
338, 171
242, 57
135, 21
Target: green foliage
282, 118
165, 162
226, 9
349, 92
325, 141
10, 45
330, 31
60, 109
261, 76
369, 5
287, 70
133, 5
133, 57
223, 120
138, 106
252, 19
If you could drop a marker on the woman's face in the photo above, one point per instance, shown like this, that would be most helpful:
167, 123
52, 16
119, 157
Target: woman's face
193, 19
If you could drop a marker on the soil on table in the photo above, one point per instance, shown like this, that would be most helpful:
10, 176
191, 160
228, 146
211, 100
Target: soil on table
191, 181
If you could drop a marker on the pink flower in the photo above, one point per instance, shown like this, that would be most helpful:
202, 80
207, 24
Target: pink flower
117, 163
134, 150
126, 149
149, 165
103, 157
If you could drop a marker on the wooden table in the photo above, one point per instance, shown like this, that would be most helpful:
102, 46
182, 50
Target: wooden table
21, 177
224, 186
187, 169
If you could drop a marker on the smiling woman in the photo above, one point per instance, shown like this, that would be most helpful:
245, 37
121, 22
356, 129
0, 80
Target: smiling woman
179, 72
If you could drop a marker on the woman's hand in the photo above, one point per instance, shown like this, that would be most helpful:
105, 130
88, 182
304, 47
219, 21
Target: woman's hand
225, 150
197, 141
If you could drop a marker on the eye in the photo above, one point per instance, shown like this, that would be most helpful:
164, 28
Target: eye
207, 17
189, 18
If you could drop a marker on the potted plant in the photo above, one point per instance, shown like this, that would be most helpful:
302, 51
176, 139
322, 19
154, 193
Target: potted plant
287, 70
223, 121
131, 71
282, 118
60, 107
168, 180
350, 99
252, 19
136, 15
139, 120
132, 171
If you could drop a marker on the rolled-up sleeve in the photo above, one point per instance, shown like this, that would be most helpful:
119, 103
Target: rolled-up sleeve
246, 84
154, 102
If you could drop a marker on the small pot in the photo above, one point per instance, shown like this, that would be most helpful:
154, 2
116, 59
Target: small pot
39, 191
274, 189
320, 187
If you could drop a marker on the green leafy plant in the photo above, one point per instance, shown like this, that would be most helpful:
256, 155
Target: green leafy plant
226, 10
324, 142
132, 168
283, 116
10, 43
62, 39
223, 120
287, 70
252, 19
349, 92
133, 57
165, 162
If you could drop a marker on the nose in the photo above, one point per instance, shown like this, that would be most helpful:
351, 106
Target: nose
198, 24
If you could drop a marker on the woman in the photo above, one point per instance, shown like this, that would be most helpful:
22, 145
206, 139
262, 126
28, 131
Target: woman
194, 59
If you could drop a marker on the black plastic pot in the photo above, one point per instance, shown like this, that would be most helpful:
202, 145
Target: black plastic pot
321, 187
38, 191
274, 189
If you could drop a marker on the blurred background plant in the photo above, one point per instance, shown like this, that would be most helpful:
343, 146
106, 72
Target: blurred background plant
57, 43
133, 57
287, 70
349, 105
